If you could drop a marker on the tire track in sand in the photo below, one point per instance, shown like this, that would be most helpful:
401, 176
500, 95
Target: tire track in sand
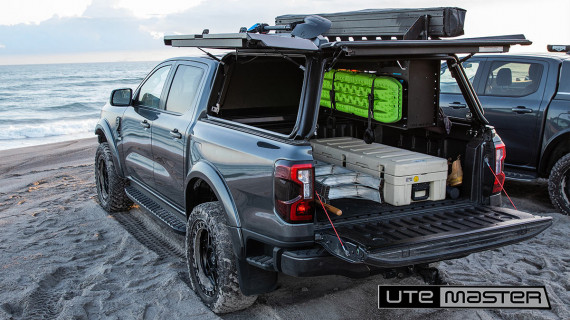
164, 242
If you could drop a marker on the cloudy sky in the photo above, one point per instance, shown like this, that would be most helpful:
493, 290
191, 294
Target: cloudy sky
40, 31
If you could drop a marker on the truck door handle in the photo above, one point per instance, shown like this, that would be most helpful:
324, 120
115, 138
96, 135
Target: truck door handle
145, 124
521, 109
175, 134
457, 105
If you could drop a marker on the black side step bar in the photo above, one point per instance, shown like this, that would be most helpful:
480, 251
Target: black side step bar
151, 206
518, 176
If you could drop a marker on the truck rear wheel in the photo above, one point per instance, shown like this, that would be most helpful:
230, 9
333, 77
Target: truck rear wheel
212, 265
559, 185
110, 186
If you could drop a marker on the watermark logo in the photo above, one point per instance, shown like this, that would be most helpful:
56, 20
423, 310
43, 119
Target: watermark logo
484, 297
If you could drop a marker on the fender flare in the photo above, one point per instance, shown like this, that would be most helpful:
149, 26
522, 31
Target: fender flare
104, 132
549, 156
207, 172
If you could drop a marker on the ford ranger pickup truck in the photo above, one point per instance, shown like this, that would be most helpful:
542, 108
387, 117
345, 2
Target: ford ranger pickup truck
313, 147
526, 97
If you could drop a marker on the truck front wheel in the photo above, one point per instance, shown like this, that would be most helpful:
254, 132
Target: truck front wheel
110, 186
212, 266
559, 185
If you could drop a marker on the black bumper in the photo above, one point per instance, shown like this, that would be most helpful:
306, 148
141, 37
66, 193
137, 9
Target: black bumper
318, 262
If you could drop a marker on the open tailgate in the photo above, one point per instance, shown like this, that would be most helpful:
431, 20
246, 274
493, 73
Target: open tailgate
428, 234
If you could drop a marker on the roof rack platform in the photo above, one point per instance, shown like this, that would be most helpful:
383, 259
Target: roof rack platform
365, 32
240, 40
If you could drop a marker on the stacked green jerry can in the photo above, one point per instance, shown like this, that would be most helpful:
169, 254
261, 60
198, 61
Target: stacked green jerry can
352, 93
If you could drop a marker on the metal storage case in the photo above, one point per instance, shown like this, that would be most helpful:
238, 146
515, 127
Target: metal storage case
407, 176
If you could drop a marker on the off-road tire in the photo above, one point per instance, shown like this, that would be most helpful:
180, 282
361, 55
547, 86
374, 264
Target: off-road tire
559, 185
110, 186
212, 265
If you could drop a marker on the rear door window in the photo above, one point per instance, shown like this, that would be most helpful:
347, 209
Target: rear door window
184, 88
513, 79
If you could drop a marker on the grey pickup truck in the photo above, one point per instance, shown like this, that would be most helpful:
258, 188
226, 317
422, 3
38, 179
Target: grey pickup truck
313, 147
526, 97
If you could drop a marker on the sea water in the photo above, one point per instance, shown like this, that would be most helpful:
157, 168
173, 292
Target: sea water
42, 104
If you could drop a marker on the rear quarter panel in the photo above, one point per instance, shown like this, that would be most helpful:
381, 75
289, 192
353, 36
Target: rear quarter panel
245, 161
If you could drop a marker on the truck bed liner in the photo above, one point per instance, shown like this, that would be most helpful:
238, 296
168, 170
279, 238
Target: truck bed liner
365, 209
428, 233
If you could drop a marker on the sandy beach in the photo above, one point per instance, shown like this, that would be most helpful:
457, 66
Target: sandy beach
63, 257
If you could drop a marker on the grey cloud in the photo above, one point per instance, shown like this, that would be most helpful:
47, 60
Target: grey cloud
104, 9
101, 28
229, 16
74, 35
104, 28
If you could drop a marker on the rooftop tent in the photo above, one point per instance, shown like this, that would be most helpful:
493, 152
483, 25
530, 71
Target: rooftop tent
406, 24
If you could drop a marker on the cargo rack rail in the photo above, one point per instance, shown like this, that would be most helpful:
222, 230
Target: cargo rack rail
365, 32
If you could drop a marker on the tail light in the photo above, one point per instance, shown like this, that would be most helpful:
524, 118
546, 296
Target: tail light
499, 166
294, 191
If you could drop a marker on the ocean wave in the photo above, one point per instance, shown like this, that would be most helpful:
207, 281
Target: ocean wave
72, 107
127, 82
59, 101
7, 120
56, 128
10, 114
64, 84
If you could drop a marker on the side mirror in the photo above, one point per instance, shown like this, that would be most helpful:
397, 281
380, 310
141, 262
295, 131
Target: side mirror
121, 97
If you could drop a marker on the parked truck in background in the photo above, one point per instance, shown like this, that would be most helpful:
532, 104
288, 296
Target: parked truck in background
224, 149
526, 97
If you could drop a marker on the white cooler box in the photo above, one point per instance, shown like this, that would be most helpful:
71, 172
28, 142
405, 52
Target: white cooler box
407, 176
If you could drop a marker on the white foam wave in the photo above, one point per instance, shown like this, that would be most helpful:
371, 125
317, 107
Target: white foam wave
56, 128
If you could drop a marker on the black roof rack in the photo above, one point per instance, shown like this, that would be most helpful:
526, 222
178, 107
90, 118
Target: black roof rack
366, 32
497, 44
240, 40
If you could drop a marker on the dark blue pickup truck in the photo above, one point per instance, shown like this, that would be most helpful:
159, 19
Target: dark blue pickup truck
223, 149
526, 97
